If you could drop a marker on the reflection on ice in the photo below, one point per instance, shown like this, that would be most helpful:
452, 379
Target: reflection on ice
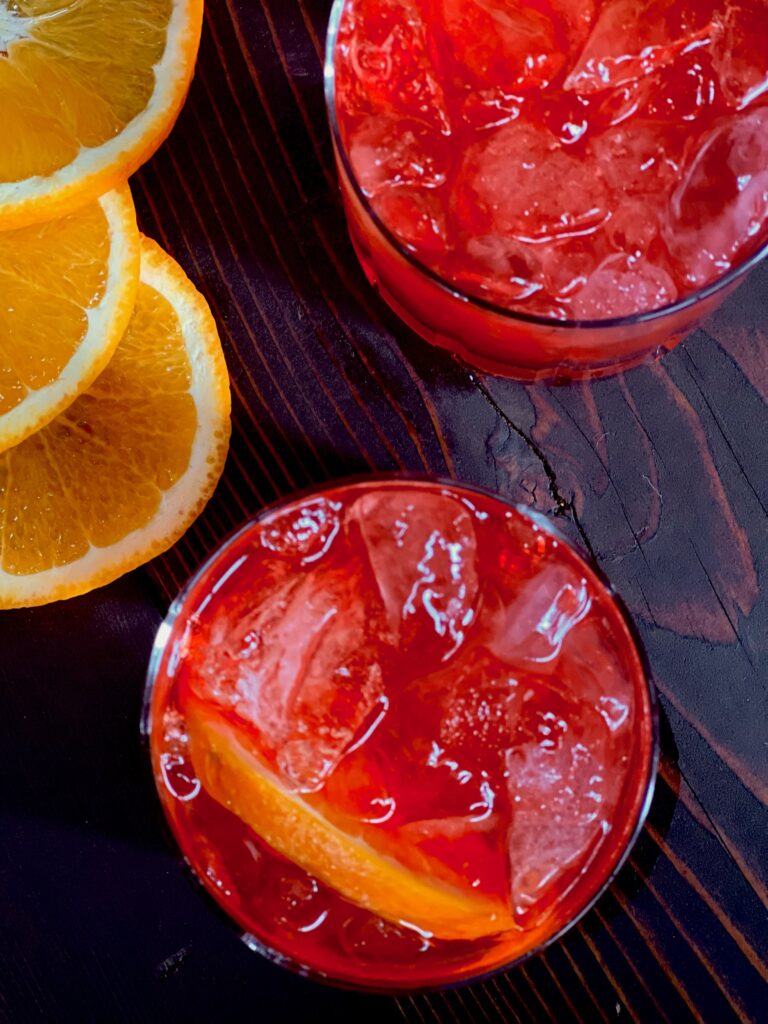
310, 531
566, 611
424, 563
547, 608
614, 712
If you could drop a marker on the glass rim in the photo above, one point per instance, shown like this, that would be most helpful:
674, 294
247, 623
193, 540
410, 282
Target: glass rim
649, 316
651, 765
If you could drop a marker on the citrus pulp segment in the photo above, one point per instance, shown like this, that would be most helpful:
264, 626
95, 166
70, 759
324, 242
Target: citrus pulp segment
68, 290
88, 91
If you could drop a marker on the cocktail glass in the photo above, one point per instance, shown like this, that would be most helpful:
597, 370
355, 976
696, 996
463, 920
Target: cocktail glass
282, 910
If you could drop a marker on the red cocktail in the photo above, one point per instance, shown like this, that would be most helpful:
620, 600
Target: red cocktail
401, 732
552, 187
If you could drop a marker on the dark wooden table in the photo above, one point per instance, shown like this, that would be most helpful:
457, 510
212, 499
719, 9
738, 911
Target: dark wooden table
662, 475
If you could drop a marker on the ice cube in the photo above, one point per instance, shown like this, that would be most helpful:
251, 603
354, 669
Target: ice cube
634, 158
633, 226
578, 16
620, 104
307, 531
359, 788
386, 150
211, 861
464, 796
452, 814
416, 216
622, 286
471, 842
482, 819
720, 206
615, 712
631, 40
532, 629
383, 64
522, 182
682, 91
603, 680
490, 108
301, 671
501, 269
560, 793
504, 256
566, 265
502, 43
479, 704
423, 552
568, 119
740, 51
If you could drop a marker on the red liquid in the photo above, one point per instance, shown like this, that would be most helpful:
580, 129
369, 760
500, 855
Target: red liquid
434, 671
576, 160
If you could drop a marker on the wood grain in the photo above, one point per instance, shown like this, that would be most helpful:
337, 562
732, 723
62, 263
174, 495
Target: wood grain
661, 475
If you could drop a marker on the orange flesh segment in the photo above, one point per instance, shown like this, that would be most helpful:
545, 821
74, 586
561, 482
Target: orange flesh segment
78, 76
88, 91
236, 778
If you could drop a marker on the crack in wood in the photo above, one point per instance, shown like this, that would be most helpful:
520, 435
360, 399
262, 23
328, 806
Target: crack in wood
563, 506
718, 422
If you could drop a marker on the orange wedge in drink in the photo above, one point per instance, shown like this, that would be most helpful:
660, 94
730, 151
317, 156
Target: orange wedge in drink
236, 778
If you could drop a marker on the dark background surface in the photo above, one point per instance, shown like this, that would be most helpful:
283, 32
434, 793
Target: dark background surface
661, 474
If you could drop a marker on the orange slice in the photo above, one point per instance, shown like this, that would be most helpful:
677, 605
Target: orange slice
67, 291
88, 91
238, 780
120, 475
